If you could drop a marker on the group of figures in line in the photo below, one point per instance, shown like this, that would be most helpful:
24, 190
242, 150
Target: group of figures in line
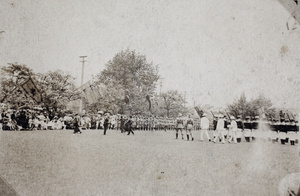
234, 129
27, 119
223, 127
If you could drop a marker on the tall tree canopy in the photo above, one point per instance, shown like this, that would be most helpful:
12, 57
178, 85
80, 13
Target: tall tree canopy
11, 77
133, 78
57, 88
173, 103
254, 107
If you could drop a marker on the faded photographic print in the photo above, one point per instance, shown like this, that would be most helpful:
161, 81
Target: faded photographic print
149, 97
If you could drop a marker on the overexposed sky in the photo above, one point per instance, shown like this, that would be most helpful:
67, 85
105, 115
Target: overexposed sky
213, 50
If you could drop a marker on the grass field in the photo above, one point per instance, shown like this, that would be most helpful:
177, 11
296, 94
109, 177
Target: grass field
149, 163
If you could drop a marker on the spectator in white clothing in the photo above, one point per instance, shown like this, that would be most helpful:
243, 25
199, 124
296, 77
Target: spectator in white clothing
204, 124
220, 129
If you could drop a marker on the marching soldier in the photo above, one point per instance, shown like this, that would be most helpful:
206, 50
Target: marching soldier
204, 123
189, 127
225, 131
233, 130
220, 129
215, 122
282, 131
292, 131
179, 125
240, 129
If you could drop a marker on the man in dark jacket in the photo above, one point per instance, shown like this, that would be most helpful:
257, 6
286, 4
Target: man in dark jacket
128, 126
106, 123
77, 124
122, 122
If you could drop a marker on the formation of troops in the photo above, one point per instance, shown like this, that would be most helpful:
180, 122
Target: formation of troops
223, 128
39, 120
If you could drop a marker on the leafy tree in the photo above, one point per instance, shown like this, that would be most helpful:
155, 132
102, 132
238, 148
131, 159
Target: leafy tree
11, 77
58, 89
262, 105
256, 107
134, 79
240, 107
173, 103
109, 99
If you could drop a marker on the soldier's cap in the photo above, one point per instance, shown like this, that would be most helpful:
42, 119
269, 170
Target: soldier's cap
256, 117
179, 114
247, 117
232, 117
239, 116
204, 114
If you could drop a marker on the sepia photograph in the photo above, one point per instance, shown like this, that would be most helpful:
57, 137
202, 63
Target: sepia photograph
149, 97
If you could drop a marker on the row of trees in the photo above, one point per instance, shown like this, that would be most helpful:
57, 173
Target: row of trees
57, 88
127, 85
255, 107
259, 106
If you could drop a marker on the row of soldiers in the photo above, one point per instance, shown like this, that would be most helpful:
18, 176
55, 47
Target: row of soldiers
282, 130
145, 123
156, 123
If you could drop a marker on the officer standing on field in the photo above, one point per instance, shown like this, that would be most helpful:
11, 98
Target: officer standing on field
179, 125
220, 129
247, 129
128, 126
233, 130
189, 127
106, 123
240, 128
204, 123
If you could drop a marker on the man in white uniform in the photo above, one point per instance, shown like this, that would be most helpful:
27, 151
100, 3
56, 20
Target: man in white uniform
204, 124
233, 130
220, 129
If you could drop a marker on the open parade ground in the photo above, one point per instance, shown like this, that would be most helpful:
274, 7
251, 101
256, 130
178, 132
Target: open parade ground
58, 162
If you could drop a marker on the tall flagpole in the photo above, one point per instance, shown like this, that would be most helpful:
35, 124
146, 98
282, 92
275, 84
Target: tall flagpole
82, 73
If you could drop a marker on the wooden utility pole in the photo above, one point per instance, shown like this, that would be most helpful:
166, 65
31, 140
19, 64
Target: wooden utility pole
82, 73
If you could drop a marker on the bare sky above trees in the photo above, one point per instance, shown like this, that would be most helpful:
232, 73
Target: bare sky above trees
213, 50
